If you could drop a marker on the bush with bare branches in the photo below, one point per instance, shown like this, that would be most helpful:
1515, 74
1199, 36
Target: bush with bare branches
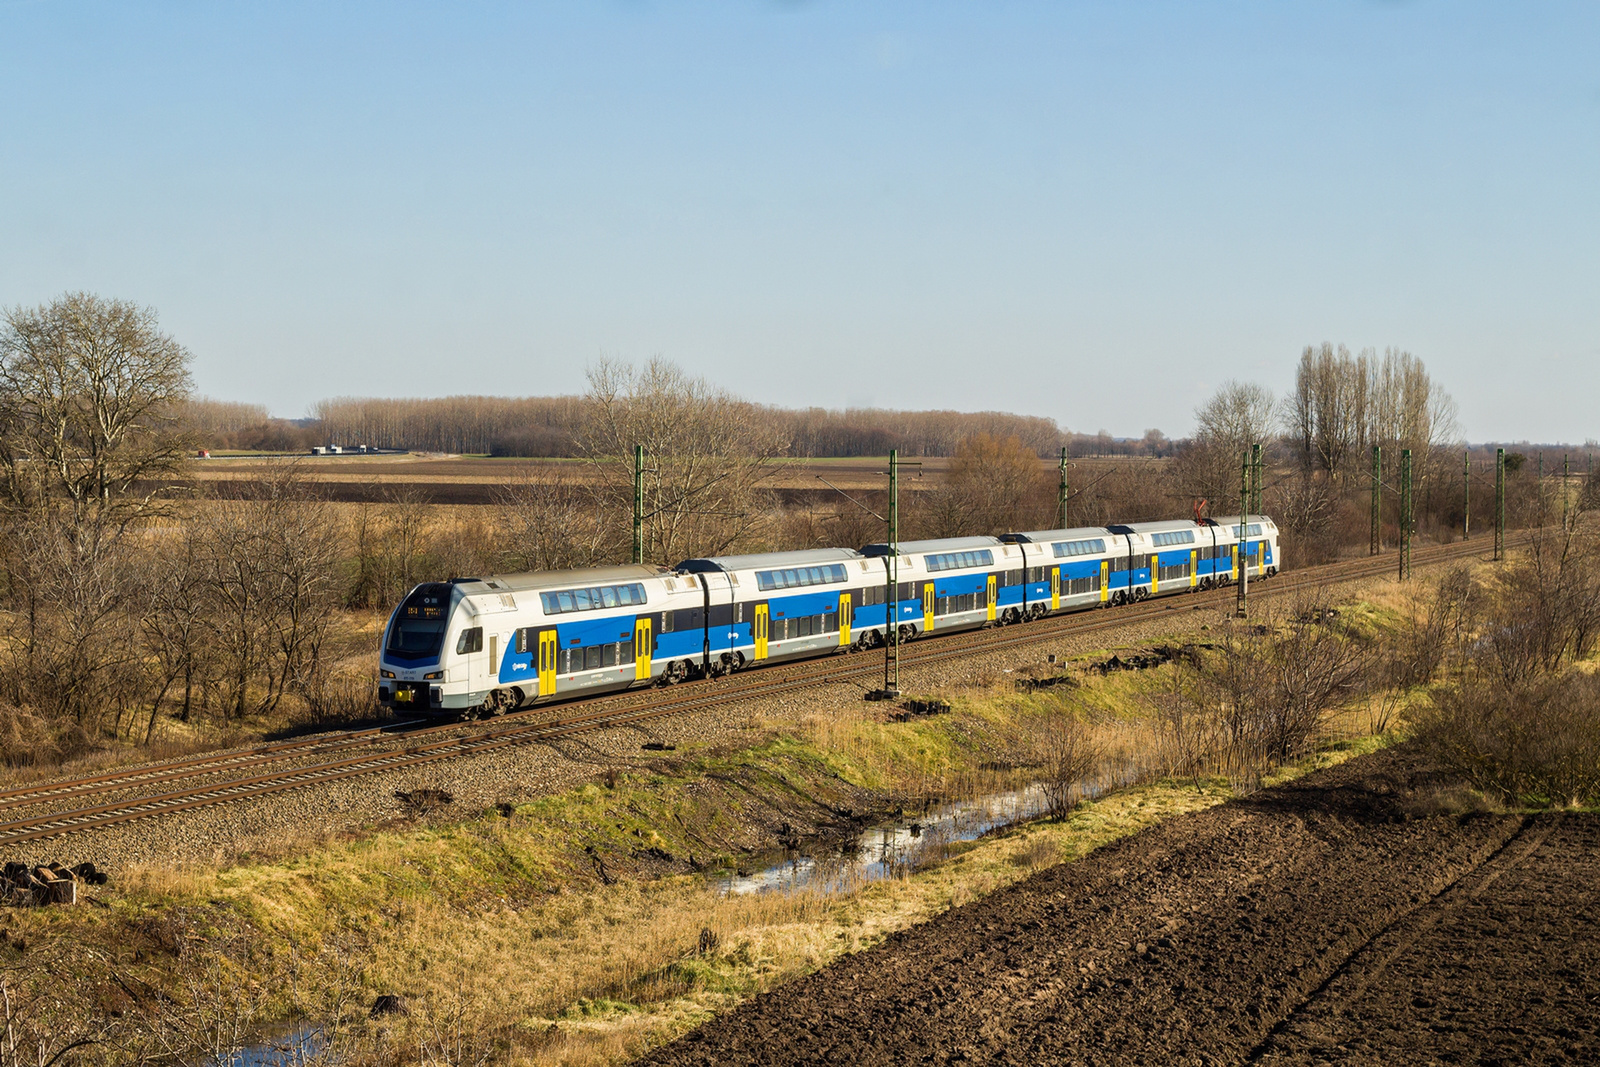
1070, 758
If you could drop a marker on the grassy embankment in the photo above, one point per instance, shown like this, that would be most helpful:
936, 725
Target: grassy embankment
570, 930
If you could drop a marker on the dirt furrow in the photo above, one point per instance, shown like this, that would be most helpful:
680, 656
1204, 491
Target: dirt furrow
1502, 969
1186, 944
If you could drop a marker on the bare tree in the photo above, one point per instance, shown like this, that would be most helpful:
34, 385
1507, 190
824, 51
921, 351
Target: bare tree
174, 622
559, 521
89, 396
709, 455
1325, 417
1069, 756
1238, 415
992, 486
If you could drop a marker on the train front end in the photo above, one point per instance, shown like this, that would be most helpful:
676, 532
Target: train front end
413, 675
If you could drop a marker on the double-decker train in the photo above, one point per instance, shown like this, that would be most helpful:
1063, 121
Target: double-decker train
483, 645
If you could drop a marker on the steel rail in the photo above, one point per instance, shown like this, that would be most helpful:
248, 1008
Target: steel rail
769, 681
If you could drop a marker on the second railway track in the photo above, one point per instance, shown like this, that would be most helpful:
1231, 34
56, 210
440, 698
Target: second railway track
383, 749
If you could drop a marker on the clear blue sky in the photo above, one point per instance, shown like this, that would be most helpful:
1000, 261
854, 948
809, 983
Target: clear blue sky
1091, 211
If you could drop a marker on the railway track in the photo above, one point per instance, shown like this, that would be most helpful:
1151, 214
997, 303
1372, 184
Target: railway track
246, 774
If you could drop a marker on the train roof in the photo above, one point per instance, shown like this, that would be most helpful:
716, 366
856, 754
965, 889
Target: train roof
941, 544
1040, 537
762, 560
1233, 520
1163, 526
529, 581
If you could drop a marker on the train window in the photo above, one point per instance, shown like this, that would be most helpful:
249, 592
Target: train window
595, 597
1172, 537
1092, 547
1255, 530
798, 577
471, 640
950, 561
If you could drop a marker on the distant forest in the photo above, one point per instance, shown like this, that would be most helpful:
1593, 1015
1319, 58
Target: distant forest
553, 426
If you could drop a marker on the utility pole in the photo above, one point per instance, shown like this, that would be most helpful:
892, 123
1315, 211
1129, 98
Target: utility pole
1539, 484
1061, 492
1499, 503
638, 503
1566, 469
1376, 544
1241, 608
1255, 479
1405, 514
891, 575
1466, 495
891, 604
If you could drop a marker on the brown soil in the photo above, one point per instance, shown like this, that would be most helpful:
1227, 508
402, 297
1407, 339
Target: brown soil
1316, 922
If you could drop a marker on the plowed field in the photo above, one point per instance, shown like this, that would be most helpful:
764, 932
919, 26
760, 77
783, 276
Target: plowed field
1323, 921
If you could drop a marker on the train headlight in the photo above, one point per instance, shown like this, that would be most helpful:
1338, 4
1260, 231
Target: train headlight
433, 676
385, 674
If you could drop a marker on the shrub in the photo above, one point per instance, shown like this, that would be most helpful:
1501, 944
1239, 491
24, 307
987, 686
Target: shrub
1533, 739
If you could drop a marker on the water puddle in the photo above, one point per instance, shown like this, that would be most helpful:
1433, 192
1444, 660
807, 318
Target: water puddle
896, 848
291, 1048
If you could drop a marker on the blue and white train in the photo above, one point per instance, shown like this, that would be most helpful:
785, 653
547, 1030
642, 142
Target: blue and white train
482, 645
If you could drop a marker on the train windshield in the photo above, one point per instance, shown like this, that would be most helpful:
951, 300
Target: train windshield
420, 622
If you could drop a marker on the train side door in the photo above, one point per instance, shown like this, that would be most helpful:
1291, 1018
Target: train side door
1055, 588
927, 606
759, 632
547, 662
641, 648
1194, 567
844, 619
992, 583
1234, 566
1105, 580
1155, 571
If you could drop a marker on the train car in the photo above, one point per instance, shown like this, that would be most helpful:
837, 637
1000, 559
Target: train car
948, 583
1255, 541
1164, 557
482, 645
1065, 570
781, 605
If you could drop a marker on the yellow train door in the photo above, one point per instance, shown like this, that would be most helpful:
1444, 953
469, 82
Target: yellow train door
1155, 572
927, 607
641, 649
1105, 580
1194, 567
1055, 588
547, 663
759, 632
844, 619
1234, 566
992, 584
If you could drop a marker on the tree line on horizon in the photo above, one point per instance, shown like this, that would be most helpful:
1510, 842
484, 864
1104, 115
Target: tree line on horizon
553, 427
